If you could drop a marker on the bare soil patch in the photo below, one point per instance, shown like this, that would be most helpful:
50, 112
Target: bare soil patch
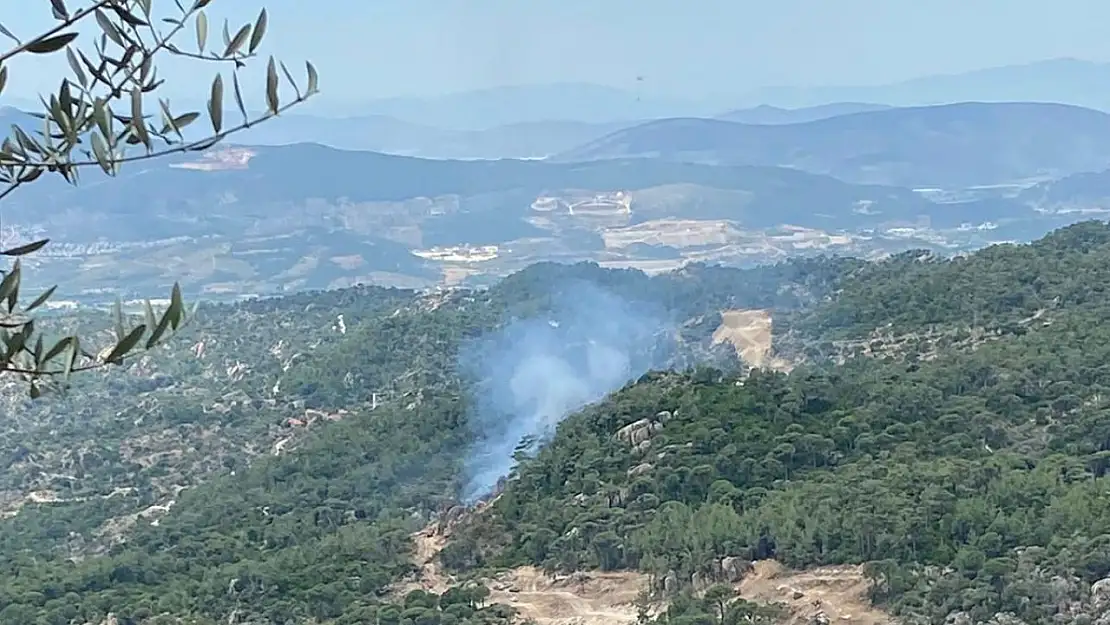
839, 593
749, 332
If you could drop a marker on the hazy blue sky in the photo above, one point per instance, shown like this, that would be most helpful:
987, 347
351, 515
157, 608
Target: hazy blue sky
380, 48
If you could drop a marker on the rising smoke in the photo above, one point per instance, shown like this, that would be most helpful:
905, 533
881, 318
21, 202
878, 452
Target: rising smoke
530, 374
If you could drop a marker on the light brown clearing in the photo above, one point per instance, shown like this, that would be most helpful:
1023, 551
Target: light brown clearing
454, 274
837, 592
349, 262
578, 599
749, 332
677, 233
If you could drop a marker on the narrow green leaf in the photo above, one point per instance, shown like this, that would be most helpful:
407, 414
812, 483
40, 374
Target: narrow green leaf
137, 124
216, 104
28, 329
202, 31
259, 31
272, 86
129, 17
239, 97
159, 330
109, 29
59, 9
177, 306
23, 250
71, 358
313, 78
31, 175
16, 341
167, 118
41, 299
178, 123
289, 77
117, 319
126, 345
102, 116
57, 349
50, 44
7, 33
100, 151
148, 313
237, 41
9, 286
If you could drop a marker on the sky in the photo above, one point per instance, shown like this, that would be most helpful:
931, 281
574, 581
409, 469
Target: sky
368, 49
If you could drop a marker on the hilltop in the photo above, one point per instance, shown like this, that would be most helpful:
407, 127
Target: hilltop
1065, 80
946, 146
382, 133
766, 114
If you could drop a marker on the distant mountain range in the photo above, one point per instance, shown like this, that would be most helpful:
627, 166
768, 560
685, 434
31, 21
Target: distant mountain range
746, 186
525, 139
765, 114
1064, 80
1087, 192
482, 201
520, 104
1067, 81
381, 133
244, 220
954, 145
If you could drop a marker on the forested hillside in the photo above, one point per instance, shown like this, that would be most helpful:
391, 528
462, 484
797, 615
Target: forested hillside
944, 424
972, 482
290, 444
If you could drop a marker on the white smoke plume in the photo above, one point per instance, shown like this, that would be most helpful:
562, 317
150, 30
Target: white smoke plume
533, 373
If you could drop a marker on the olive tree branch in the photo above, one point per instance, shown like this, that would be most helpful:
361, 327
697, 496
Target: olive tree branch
62, 25
79, 114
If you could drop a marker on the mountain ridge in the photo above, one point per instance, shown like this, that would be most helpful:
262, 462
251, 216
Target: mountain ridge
951, 145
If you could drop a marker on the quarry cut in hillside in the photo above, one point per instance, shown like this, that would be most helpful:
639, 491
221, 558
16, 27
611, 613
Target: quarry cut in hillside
583, 598
833, 595
749, 332
578, 599
828, 594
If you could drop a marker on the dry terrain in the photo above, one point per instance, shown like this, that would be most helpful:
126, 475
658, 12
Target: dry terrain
578, 599
837, 594
672, 232
749, 332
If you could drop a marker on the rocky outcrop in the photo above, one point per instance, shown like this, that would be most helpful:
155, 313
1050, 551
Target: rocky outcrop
638, 433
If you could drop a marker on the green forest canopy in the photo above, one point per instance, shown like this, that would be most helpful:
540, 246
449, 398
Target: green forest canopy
964, 461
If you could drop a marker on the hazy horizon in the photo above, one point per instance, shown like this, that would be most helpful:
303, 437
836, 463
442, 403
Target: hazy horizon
707, 49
